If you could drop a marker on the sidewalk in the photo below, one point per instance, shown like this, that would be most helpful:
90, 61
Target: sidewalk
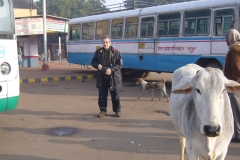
57, 72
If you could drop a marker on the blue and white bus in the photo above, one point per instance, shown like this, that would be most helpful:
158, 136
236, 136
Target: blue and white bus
9, 69
159, 38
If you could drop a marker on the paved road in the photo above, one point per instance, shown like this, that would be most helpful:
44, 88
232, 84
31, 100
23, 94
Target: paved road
37, 129
55, 70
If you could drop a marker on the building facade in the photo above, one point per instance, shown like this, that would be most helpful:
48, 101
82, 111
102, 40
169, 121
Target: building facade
29, 30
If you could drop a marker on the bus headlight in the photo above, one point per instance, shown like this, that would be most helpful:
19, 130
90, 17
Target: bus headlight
5, 68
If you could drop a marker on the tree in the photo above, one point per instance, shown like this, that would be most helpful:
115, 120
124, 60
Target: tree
71, 8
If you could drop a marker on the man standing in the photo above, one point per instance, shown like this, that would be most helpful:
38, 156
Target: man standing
19, 54
108, 61
232, 72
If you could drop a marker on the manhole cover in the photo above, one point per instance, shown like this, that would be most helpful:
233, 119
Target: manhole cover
62, 131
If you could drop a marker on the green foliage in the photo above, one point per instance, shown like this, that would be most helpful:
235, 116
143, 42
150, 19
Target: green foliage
70, 8
80, 8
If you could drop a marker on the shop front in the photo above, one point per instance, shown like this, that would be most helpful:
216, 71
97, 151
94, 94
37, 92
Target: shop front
30, 37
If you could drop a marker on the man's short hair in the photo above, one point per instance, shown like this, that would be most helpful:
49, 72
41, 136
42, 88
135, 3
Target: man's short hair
106, 36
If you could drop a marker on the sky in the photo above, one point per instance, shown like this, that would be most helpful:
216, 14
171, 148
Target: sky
109, 2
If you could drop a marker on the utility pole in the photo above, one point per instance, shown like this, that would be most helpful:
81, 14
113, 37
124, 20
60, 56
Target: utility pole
45, 66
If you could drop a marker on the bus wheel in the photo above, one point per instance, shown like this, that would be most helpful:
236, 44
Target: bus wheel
129, 73
214, 65
146, 74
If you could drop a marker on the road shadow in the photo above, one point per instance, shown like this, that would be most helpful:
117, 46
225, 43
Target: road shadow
22, 157
129, 123
121, 141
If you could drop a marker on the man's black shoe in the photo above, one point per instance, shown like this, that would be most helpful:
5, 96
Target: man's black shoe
102, 114
118, 114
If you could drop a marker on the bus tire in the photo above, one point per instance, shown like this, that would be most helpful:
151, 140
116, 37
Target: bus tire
146, 74
214, 65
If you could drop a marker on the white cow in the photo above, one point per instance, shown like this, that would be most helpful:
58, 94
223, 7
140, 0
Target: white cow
200, 111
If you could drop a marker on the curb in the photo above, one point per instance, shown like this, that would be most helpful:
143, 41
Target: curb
56, 79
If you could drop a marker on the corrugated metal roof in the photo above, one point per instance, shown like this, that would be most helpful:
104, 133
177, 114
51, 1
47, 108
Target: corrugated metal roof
25, 4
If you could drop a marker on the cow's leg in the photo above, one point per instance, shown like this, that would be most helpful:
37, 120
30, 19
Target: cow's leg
222, 155
182, 141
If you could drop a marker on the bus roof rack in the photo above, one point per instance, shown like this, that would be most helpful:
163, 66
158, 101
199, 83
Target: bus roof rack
121, 7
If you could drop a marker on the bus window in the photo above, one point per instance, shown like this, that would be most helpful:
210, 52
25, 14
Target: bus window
117, 28
202, 25
168, 24
131, 28
102, 29
1, 3
88, 31
147, 27
223, 21
197, 22
4, 16
75, 32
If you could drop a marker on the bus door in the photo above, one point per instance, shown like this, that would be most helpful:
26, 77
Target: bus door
223, 21
146, 44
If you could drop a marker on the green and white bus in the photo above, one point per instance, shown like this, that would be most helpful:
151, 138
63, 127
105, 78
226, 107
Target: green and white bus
9, 69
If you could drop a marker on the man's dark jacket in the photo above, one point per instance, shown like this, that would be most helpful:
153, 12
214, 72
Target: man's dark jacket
116, 65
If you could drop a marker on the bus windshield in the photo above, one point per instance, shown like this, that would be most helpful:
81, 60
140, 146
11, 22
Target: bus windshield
5, 17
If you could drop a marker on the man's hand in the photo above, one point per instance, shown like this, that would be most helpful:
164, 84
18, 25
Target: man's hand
100, 67
108, 71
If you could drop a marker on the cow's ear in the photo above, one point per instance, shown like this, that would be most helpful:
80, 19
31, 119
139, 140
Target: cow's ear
183, 87
232, 86
183, 91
